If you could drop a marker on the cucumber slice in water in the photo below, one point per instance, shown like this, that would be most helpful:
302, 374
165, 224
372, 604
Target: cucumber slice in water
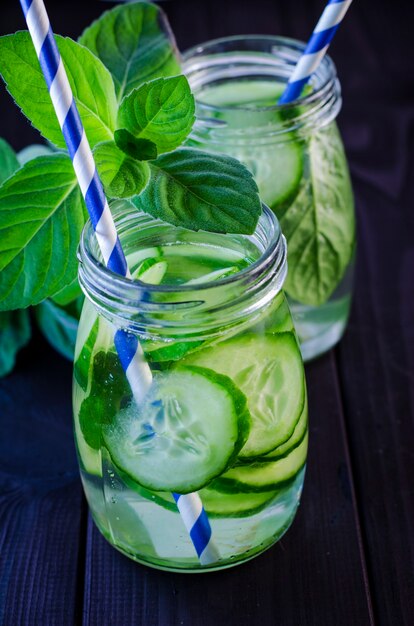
267, 476
277, 170
219, 504
268, 370
216, 503
293, 441
188, 431
151, 271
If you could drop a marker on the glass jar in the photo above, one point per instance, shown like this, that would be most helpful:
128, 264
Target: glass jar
297, 157
226, 412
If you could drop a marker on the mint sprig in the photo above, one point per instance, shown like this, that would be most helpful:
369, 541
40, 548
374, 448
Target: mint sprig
161, 111
201, 191
322, 217
89, 79
135, 43
122, 175
15, 333
9, 162
136, 129
41, 218
137, 148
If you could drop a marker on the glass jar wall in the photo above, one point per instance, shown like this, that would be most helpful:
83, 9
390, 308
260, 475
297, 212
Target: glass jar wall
224, 413
296, 155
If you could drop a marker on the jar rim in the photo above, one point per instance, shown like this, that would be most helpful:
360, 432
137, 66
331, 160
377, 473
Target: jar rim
324, 101
140, 306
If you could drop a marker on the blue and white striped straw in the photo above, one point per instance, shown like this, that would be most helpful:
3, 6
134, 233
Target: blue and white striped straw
316, 49
129, 350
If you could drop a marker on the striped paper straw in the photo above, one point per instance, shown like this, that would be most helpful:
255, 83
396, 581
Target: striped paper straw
129, 350
316, 48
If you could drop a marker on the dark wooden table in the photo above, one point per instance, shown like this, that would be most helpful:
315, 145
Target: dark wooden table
348, 558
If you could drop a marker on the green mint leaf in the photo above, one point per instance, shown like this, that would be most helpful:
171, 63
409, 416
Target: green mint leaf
15, 333
140, 149
320, 225
8, 161
68, 294
161, 110
33, 151
122, 176
90, 81
201, 191
41, 218
59, 326
108, 388
135, 43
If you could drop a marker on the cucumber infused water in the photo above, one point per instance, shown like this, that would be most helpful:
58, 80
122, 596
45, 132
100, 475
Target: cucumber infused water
188, 381
226, 414
296, 155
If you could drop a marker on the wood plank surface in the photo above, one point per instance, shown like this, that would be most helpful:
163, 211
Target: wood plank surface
313, 576
377, 372
40, 494
353, 533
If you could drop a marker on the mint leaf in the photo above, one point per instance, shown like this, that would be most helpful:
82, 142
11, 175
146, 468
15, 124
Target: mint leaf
68, 294
108, 389
121, 175
59, 327
15, 333
135, 43
161, 110
33, 151
90, 81
41, 218
320, 225
201, 191
8, 161
141, 149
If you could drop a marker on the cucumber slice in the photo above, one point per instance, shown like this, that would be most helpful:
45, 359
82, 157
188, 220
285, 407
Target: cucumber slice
268, 370
296, 438
136, 258
266, 476
188, 431
216, 503
278, 171
151, 271
219, 504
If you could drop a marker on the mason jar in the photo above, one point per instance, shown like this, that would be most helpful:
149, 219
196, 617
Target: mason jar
296, 155
223, 415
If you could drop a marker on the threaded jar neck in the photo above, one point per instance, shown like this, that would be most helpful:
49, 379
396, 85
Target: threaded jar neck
194, 309
257, 58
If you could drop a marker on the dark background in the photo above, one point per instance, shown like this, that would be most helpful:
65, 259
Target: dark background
348, 559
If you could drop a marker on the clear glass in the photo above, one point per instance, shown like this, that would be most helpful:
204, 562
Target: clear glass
296, 155
228, 393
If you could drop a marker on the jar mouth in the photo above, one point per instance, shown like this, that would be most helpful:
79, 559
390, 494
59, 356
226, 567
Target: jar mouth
274, 58
125, 300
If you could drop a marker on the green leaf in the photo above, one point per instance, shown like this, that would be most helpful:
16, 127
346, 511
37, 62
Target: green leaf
135, 43
83, 362
201, 191
109, 387
41, 218
8, 161
121, 175
59, 326
68, 294
33, 151
320, 225
15, 333
141, 149
90, 81
161, 110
